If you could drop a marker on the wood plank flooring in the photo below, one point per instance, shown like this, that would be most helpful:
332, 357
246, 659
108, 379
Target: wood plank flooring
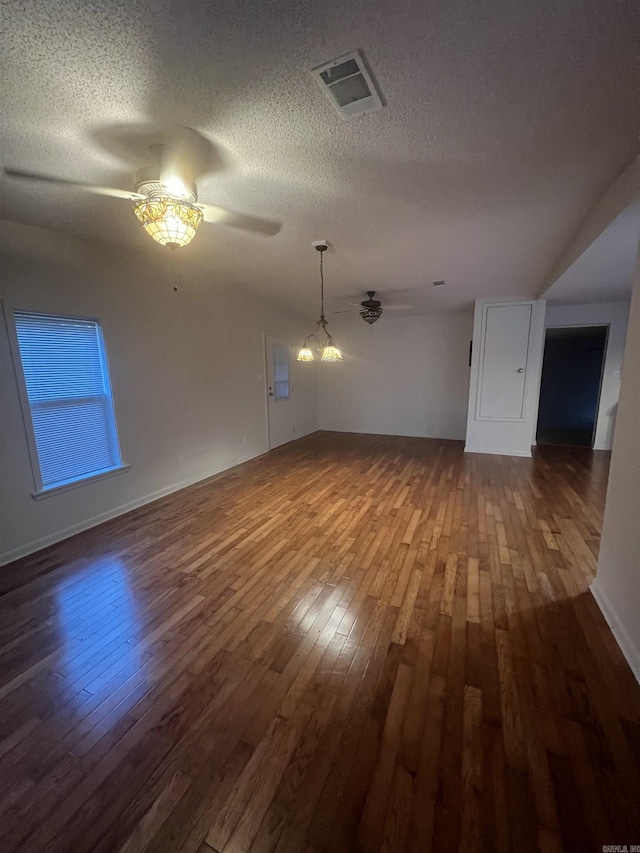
352, 643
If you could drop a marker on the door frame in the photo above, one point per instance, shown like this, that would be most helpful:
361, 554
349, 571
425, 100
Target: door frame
607, 326
265, 384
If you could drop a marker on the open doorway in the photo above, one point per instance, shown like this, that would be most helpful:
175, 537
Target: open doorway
570, 385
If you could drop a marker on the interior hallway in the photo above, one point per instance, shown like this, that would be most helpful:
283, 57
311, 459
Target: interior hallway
353, 642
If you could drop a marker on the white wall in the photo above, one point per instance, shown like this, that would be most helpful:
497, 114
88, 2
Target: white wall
186, 368
622, 193
403, 375
615, 315
617, 584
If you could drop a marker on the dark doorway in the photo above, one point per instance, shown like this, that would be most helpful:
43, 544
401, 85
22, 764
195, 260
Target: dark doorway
570, 384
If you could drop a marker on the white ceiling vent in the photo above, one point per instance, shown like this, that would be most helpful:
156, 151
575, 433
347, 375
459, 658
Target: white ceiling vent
349, 85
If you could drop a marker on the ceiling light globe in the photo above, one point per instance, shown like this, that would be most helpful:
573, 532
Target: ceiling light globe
171, 223
331, 353
370, 315
305, 354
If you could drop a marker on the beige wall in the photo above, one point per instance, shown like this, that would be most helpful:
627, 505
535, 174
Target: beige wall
617, 584
186, 368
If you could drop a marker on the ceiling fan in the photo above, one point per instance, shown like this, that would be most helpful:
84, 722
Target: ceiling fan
371, 309
164, 198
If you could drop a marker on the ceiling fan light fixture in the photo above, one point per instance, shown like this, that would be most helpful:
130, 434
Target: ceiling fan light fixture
370, 315
169, 221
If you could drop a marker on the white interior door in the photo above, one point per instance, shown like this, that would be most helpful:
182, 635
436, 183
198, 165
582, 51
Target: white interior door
505, 342
280, 403
505, 375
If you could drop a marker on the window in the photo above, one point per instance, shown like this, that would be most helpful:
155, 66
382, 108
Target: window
280, 372
69, 395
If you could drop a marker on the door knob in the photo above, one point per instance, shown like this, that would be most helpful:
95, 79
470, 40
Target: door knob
520, 370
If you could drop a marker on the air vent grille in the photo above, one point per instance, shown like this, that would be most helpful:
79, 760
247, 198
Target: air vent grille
339, 72
350, 89
349, 85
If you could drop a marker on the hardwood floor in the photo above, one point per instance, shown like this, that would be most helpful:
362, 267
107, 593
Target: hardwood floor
352, 643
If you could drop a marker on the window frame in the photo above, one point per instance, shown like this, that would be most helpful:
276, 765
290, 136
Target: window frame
280, 398
41, 491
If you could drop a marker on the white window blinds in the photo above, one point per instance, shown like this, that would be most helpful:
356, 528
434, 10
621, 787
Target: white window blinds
67, 381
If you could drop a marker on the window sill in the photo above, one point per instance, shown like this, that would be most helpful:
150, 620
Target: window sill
66, 487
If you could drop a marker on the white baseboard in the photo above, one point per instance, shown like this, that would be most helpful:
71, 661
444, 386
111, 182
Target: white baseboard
59, 535
495, 452
393, 434
629, 650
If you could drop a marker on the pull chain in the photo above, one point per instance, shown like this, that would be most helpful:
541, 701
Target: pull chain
173, 270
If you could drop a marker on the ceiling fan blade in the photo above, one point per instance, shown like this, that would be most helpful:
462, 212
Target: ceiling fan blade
174, 171
191, 153
113, 192
221, 216
348, 311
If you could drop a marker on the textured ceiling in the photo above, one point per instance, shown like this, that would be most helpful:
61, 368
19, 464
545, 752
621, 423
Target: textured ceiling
605, 271
504, 123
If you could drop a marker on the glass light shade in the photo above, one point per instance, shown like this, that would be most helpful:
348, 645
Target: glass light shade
305, 354
331, 353
370, 315
170, 222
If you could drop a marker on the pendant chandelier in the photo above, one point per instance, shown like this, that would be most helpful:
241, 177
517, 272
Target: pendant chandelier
326, 347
